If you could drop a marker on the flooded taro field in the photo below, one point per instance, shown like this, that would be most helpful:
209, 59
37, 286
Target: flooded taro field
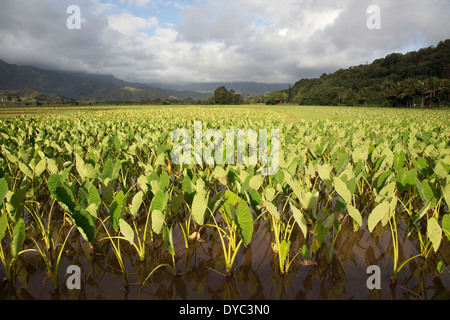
95, 206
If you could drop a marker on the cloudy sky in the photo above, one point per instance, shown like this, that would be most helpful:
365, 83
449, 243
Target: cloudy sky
215, 40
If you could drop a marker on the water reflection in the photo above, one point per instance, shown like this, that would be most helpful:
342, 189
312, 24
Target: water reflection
256, 276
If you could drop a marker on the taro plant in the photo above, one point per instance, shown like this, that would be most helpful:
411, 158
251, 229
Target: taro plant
168, 240
18, 233
282, 232
115, 215
76, 216
234, 229
17, 240
129, 232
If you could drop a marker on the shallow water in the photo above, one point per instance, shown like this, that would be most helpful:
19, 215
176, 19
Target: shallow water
256, 276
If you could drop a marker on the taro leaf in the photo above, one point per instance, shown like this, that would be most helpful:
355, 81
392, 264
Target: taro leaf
246, 185
61, 192
93, 195
355, 214
445, 225
18, 238
85, 170
159, 201
143, 183
199, 207
269, 193
188, 186
256, 182
309, 201
284, 249
382, 179
421, 164
389, 160
88, 195
26, 170
255, 199
324, 174
93, 210
342, 190
244, 221
116, 209
294, 184
391, 211
110, 170
387, 192
136, 203
329, 221
157, 221
176, 203
221, 175
215, 203
3, 226
232, 176
273, 210
305, 252
239, 211
342, 160
52, 166
40, 167
164, 181
405, 179
107, 188
3, 190
425, 191
351, 185
434, 232
421, 213
447, 195
441, 170
16, 203
168, 240
300, 219
377, 214
126, 231
84, 223
399, 160
320, 232
360, 154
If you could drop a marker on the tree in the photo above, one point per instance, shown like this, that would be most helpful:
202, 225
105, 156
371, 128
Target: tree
277, 97
221, 96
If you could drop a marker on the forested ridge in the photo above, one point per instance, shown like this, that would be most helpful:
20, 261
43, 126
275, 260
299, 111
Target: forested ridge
419, 79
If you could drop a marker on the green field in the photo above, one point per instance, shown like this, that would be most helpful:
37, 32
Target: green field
97, 187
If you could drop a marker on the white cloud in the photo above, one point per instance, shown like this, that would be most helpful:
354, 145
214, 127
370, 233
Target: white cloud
129, 25
220, 40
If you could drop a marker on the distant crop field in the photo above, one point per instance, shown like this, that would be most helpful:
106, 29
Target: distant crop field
171, 201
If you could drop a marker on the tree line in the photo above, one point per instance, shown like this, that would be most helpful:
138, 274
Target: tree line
419, 79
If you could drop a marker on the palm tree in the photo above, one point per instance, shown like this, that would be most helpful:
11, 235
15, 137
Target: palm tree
432, 86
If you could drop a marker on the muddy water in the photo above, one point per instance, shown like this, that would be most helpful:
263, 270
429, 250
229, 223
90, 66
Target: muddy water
256, 276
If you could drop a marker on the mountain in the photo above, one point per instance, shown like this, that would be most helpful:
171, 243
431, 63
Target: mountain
406, 80
243, 88
84, 86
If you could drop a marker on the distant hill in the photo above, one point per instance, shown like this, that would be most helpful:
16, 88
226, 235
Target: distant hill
71, 85
243, 88
419, 78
